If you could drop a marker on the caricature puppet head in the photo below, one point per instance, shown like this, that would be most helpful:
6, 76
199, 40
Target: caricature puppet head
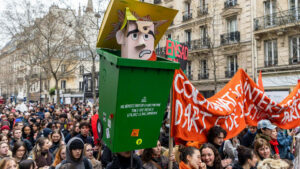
136, 38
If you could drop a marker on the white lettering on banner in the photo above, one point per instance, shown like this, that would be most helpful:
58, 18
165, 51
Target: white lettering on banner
175, 82
185, 91
203, 120
177, 106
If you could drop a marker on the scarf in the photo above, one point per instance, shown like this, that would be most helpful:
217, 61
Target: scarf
182, 165
274, 143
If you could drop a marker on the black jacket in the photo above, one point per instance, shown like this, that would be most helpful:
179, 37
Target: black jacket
120, 162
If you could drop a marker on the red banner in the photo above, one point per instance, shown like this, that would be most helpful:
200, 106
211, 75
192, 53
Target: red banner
241, 102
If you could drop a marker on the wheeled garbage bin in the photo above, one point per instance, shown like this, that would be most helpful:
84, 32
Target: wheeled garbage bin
133, 96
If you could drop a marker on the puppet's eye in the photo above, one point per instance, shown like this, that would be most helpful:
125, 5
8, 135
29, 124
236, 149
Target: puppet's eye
146, 36
134, 36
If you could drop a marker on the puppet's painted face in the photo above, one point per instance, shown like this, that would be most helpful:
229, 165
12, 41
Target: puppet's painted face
137, 41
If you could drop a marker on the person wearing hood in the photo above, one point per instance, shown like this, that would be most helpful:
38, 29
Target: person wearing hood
75, 157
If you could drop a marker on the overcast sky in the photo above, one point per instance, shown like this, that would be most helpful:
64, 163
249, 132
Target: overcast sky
74, 4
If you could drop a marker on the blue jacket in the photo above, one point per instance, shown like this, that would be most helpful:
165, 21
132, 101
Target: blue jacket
284, 141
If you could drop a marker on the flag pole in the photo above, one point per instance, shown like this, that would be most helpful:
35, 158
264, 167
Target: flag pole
170, 138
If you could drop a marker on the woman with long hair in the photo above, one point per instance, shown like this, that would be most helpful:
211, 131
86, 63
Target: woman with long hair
4, 138
19, 151
88, 152
41, 154
59, 157
56, 139
27, 133
75, 131
8, 163
210, 156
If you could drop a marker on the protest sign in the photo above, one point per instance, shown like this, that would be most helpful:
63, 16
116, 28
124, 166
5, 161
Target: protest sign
240, 103
177, 52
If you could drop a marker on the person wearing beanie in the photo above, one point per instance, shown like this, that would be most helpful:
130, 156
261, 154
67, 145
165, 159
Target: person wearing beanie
75, 157
5, 130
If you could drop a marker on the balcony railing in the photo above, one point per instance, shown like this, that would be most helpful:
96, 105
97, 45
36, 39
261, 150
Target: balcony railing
277, 19
198, 44
202, 10
230, 3
229, 73
270, 63
157, 1
203, 76
230, 38
294, 60
187, 15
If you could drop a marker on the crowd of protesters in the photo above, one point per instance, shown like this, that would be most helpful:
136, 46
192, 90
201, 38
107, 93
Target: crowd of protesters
52, 137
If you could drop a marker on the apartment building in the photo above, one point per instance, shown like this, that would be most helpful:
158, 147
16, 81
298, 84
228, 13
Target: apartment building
218, 34
277, 35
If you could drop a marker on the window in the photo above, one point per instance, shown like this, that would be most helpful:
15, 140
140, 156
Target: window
203, 72
189, 70
63, 68
295, 50
89, 84
271, 57
295, 8
81, 69
201, 4
270, 8
63, 84
188, 38
231, 25
187, 14
231, 66
80, 86
169, 36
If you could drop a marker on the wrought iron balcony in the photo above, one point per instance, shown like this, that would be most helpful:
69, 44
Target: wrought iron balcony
198, 44
157, 1
294, 60
202, 10
277, 19
270, 63
230, 3
203, 75
230, 38
187, 15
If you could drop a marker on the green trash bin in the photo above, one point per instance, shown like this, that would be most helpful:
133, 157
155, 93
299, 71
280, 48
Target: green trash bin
133, 96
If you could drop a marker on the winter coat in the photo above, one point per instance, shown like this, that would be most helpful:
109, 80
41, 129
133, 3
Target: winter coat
27, 144
87, 139
120, 162
81, 163
248, 139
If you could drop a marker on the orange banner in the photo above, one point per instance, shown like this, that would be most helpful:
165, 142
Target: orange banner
241, 102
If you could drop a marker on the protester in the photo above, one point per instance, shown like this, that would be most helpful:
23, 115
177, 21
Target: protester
60, 156
84, 133
88, 152
27, 133
8, 163
17, 136
57, 141
285, 141
74, 155
5, 130
230, 148
246, 158
210, 156
264, 130
4, 150
191, 159
27, 164
122, 161
41, 154
249, 137
262, 149
4, 138
19, 152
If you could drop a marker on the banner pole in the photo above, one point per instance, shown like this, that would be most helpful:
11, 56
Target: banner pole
170, 138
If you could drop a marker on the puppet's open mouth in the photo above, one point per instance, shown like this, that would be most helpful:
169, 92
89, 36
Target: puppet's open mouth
144, 52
